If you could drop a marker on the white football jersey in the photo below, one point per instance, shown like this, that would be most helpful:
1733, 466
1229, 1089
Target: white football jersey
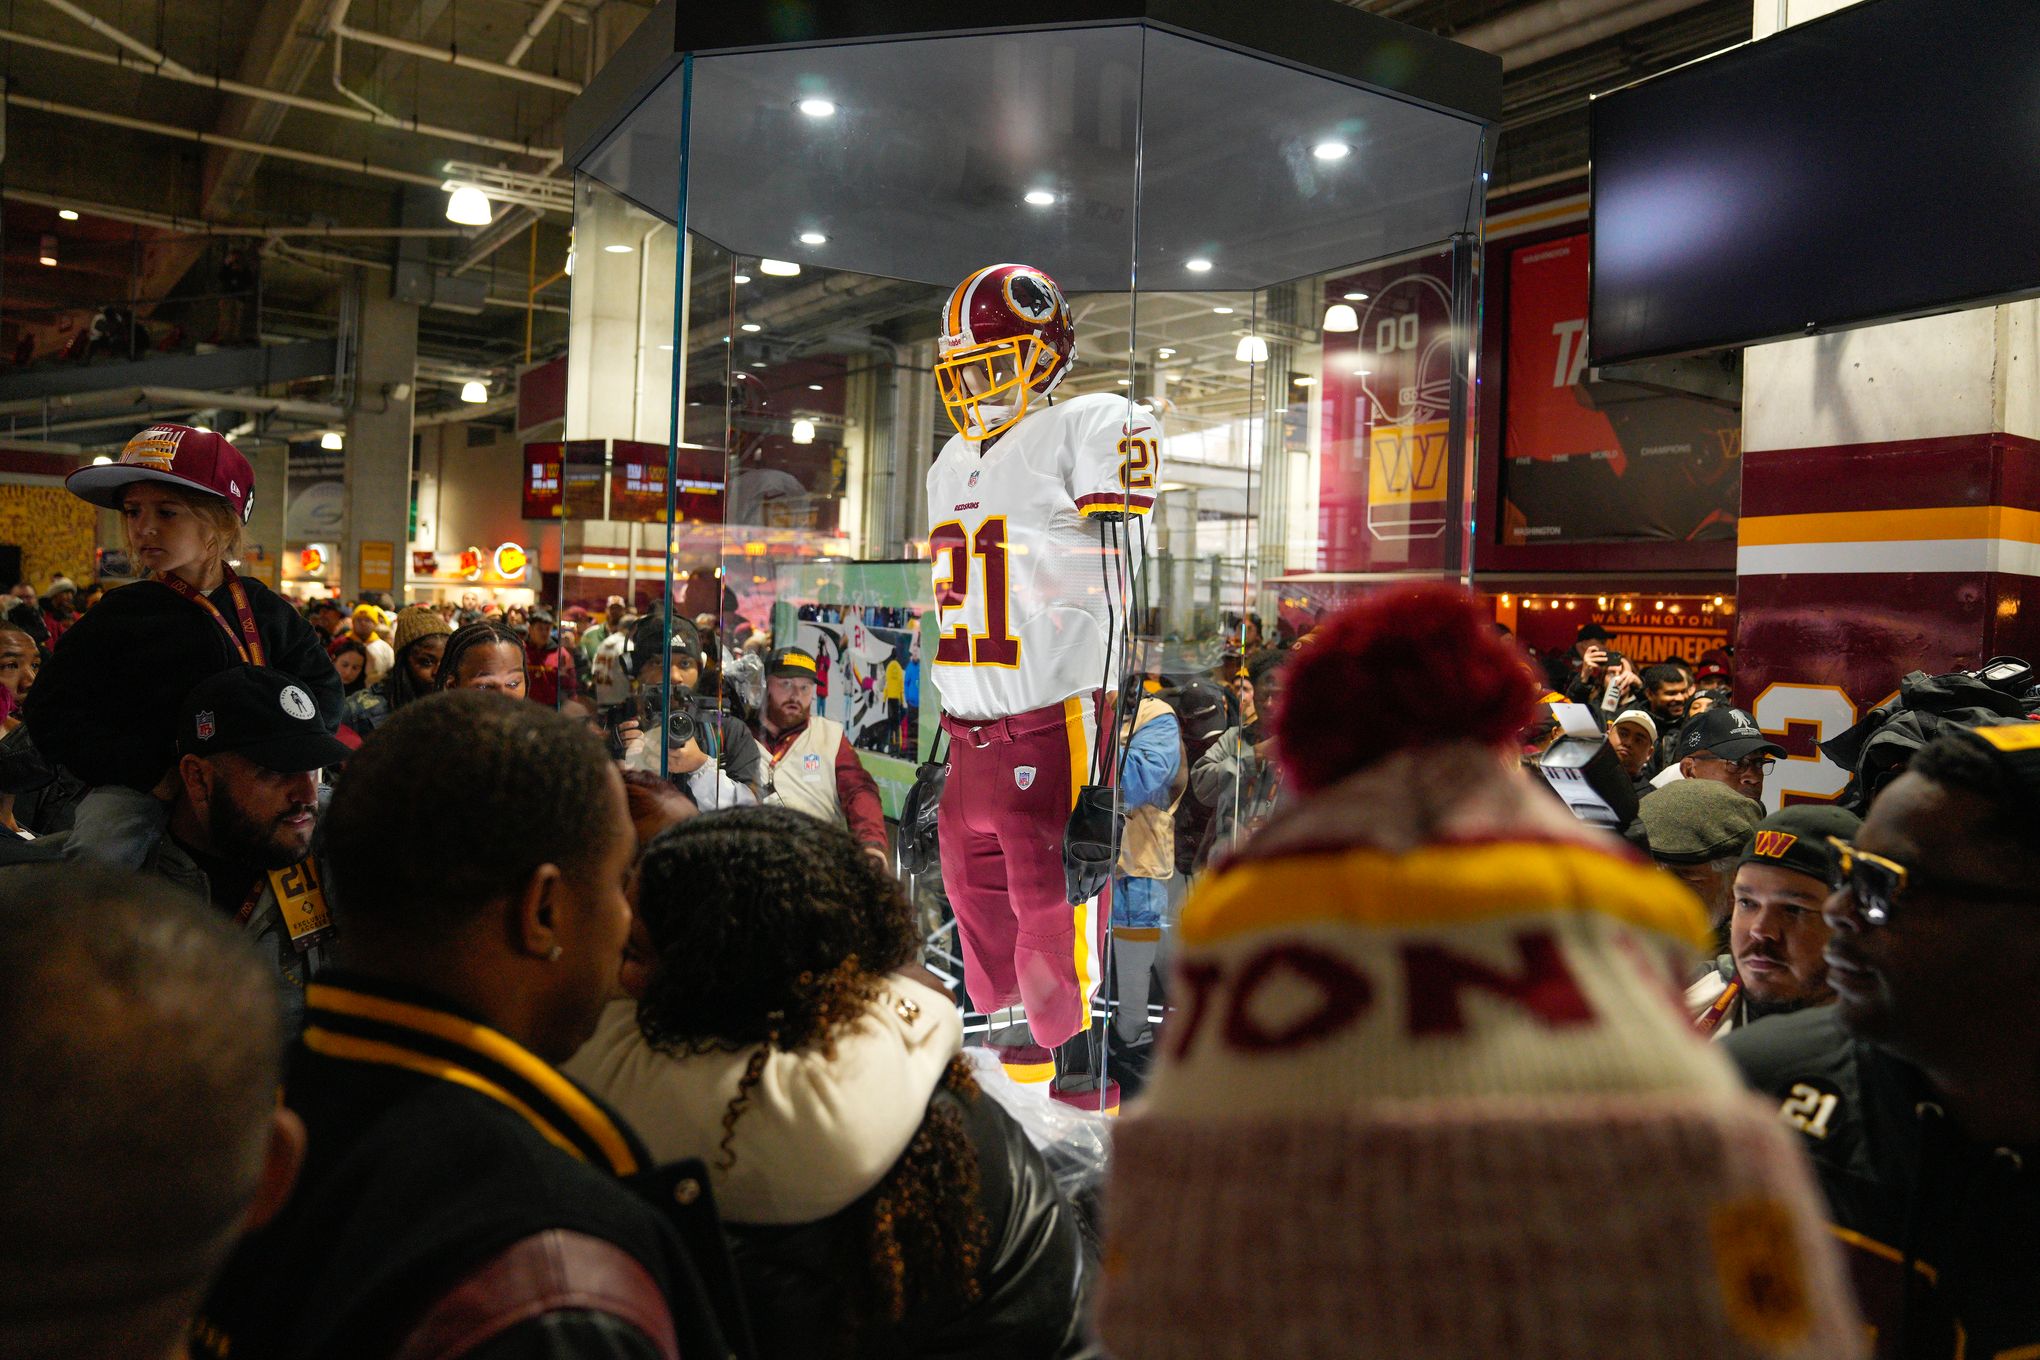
1021, 573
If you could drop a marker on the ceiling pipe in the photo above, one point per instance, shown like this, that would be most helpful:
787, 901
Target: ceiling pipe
185, 398
494, 237
452, 56
1571, 39
191, 226
218, 139
532, 30
455, 415
1539, 32
295, 101
116, 36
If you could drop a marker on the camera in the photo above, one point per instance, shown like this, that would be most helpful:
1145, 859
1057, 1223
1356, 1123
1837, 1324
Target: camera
682, 724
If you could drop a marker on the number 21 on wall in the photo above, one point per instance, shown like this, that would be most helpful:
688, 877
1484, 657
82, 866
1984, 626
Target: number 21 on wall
996, 646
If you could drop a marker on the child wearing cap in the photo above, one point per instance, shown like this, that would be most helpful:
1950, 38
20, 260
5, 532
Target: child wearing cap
106, 704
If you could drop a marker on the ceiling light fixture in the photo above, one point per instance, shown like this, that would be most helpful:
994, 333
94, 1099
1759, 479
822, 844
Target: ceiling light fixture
740, 278
617, 248
68, 214
815, 107
1126, 382
813, 238
331, 441
1305, 381
1221, 311
474, 392
1362, 372
1252, 349
1040, 198
48, 252
803, 432
469, 207
1165, 353
778, 269
1200, 265
1356, 297
1340, 316
814, 387
1331, 151
751, 326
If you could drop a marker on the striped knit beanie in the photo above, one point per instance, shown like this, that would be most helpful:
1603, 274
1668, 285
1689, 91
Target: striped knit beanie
1428, 1090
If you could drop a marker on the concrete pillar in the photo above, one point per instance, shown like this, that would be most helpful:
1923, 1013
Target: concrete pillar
379, 435
1890, 512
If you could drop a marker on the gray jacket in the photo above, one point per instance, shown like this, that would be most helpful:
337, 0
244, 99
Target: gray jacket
1239, 786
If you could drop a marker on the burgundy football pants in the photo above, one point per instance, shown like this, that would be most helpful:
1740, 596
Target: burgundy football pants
1012, 782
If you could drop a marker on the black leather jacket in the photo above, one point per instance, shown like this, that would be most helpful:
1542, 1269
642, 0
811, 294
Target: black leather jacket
1032, 1281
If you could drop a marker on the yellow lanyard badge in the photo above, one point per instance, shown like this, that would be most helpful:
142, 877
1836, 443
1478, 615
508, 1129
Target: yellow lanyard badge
302, 901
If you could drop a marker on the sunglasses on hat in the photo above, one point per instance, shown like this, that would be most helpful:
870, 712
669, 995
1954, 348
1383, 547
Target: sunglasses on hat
1878, 884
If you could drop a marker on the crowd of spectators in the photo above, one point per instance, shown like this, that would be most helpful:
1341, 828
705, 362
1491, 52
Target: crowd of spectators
603, 1024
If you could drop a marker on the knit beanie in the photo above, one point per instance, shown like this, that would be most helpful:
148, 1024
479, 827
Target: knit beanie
415, 622
1429, 1090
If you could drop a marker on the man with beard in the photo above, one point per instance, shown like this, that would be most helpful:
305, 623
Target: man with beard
1775, 930
814, 769
1915, 1093
250, 745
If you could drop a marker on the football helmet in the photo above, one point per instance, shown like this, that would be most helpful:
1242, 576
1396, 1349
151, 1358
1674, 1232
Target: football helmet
1007, 337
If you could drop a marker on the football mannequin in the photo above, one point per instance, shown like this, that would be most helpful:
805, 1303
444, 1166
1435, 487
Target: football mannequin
1032, 521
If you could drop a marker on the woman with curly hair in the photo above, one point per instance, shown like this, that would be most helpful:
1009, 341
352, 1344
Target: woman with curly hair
878, 1203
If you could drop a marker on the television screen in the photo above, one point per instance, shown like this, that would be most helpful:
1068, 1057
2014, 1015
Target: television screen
1881, 162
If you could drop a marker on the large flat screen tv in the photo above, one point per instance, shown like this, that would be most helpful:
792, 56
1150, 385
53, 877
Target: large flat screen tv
1881, 162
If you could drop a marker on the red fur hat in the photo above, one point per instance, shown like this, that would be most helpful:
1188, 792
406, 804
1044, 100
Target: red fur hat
1414, 665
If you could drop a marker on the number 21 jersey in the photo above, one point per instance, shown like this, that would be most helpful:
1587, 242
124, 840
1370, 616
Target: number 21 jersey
1021, 571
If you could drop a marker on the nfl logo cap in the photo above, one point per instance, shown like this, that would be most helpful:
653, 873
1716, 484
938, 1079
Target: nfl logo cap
261, 714
198, 460
792, 662
1729, 733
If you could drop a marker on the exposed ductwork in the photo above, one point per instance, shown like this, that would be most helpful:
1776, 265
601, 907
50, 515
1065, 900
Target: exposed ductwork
361, 167
451, 56
180, 398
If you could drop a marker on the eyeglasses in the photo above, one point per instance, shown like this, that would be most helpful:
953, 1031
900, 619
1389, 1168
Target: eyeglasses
1878, 883
1756, 764
1875, 880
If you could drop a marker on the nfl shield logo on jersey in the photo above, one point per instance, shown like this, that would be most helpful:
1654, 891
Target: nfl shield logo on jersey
1024, 776
811, 762
973, 478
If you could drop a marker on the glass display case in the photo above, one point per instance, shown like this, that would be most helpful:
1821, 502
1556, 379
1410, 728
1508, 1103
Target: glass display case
1265, 222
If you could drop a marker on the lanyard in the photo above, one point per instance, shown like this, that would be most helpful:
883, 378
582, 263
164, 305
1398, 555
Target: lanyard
248, 640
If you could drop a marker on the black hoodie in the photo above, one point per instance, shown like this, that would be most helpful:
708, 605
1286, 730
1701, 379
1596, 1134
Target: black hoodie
105, 706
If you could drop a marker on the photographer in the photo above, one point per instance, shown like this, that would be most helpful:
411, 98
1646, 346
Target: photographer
709, 755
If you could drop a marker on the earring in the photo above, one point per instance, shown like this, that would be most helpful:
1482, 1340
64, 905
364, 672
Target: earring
553, 957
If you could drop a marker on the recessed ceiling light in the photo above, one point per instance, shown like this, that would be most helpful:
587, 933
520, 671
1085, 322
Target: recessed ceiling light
1356, 297
758, 363
1199, 265
813, 238
1305, 381
617, 248
814, 387
1331, 151
751, 326
1166, 353
1040, 198
1362, 372
68, 214
1126, 382
778, 269
741, 278
816, 107
1222, 311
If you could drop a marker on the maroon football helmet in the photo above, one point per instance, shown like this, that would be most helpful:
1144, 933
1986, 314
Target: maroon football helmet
1007, 337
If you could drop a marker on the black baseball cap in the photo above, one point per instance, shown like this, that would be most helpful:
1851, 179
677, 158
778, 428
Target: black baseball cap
1729, 733
1795, 838
791, 663
1592, 632
261, 714
537, 614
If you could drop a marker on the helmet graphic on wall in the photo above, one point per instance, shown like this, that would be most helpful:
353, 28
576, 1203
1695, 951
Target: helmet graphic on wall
1007, 337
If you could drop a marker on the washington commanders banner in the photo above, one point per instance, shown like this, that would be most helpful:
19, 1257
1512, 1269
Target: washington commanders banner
1599, 461
1387, 388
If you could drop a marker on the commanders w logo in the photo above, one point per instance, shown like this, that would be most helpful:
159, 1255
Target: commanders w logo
1773, 844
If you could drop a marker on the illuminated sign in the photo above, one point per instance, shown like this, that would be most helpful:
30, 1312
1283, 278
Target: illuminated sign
511, 560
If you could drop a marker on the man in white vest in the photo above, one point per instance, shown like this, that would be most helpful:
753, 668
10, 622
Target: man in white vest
813, 768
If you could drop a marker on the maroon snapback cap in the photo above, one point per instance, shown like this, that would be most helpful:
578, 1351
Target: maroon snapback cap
198, 459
